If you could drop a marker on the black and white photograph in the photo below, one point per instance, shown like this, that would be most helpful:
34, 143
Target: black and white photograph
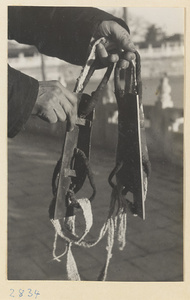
95, 144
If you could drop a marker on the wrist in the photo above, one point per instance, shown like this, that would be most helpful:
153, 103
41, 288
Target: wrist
35, 109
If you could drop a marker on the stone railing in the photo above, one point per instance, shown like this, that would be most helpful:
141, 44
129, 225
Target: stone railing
163, 123
164, 130
163, 51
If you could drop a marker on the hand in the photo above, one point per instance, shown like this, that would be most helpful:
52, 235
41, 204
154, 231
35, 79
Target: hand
118, 47
55, 103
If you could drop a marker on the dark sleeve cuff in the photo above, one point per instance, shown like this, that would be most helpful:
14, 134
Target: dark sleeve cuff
22, 95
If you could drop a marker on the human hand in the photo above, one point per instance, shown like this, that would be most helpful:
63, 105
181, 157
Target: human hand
118, 47
55, 103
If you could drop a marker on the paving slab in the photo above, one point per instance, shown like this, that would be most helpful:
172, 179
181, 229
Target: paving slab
154, 249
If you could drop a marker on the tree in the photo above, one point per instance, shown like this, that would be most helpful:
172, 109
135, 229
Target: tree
154, 35
138, 27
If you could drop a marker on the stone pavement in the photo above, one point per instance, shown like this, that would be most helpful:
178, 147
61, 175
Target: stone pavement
154, 249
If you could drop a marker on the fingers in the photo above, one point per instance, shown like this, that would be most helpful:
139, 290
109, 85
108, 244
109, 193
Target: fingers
59, 89
69, 104
103, 55
55, 103
59, 112
50, 110
123, 64
105, 58
62, 90
118, 47
126, 57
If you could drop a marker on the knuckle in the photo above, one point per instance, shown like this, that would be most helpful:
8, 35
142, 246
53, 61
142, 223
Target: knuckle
131, 56
51, 101
123, 64
51, 95
57, 87
57, 90
113, 58
48, 105
55, 98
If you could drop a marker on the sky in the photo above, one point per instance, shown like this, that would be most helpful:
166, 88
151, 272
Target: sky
169, 18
